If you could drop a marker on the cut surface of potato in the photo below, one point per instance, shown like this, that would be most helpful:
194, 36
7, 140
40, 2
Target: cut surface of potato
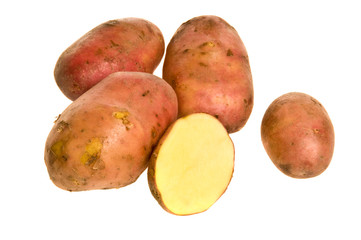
192, 165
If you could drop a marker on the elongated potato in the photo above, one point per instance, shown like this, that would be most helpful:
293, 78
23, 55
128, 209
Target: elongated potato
207, 64
192, 165
105, 137
128, 44
298, 135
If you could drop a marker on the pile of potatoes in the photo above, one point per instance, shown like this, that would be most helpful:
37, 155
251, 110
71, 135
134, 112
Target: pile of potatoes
122, 115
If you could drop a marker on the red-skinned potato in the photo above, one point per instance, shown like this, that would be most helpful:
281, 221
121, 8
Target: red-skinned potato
105, 137
298, 135
128, 44
207, 64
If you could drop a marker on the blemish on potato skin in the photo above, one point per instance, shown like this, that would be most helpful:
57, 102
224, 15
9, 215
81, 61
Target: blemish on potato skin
99, 51
61, 126
57, 118
149, 27
229, 53
111, 23
145, 93
141, 35
57, 151
75, 87
207, 44
286, 168
203, 64
154, 132
76, 181
113, 44
92, 151
123, 116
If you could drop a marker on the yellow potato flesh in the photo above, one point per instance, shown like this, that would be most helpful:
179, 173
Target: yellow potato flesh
194, 165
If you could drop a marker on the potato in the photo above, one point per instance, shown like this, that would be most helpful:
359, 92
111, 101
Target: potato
207, 64
128, 44
192, 165
104, 138
298, 135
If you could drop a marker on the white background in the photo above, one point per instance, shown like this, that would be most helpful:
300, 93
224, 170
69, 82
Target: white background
307, 46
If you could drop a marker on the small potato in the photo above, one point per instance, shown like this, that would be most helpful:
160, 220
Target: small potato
128, 44
207, 64
105, 137
298, 135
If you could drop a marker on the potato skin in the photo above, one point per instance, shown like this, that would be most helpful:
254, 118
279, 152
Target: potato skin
207, 64
128, 44
104, 138
298, 135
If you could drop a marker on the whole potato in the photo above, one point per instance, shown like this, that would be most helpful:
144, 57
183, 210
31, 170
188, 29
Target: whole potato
207, 64
128, 44
105, 137
298, 135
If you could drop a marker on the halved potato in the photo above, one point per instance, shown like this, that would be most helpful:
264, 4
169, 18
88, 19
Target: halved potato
192, 165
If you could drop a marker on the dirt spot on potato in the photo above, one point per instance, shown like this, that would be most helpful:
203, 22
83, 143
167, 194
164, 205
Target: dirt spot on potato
77, 181
91, 155
186, 50
123, 116
57, 118
145, 93
286, 168
111, 23
154, 132
207, 44
210, 24
316, 131
61, 126
57, 153
75, 88
229, 53
113, 44
149, 27
98, 52
141, 35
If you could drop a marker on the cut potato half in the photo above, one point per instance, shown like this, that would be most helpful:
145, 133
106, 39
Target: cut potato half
192, 165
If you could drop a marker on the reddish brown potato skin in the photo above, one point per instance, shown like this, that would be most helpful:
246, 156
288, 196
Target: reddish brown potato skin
298, 135
123, 142
207, 64
128, 44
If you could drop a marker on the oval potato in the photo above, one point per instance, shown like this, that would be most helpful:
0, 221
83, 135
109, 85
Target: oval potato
128, 44
105, 137
298, 135
207, 64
